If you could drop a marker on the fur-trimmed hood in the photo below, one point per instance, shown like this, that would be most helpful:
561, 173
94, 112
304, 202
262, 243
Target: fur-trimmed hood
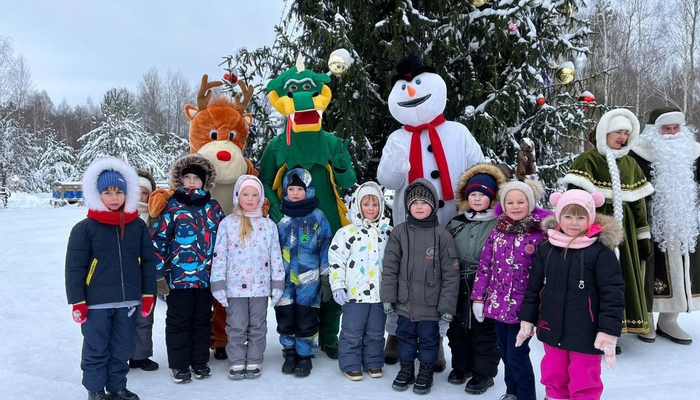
611, 233
601, 131
460, 192
189, 160
93, 198
354, 214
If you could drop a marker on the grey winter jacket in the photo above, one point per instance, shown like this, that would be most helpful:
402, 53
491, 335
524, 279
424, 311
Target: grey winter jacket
421, 271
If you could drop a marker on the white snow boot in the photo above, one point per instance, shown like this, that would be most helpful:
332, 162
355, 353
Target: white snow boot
668, 328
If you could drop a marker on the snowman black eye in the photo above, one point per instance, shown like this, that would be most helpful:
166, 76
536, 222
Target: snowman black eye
417, 81
403, 87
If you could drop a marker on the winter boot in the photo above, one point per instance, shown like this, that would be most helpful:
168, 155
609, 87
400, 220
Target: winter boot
201, 371
181, 375
253, 371
101, 395
424, 380
478, 384
146, 364
668, 328
440, 364
391, 350
405, 377
290, 361
303, 368
124, 394
458, 377
651, 336
236, 372
220, 353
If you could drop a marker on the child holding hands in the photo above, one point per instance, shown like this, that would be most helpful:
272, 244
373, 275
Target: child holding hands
576, 296
501, 279
247, 268
355, 256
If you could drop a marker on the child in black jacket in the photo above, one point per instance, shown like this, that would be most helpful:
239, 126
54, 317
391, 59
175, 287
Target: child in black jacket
575, 296
110, 270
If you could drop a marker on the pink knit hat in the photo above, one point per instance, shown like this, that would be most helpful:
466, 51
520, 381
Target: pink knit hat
589, 201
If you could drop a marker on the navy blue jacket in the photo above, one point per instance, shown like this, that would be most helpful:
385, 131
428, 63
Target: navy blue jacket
101, 268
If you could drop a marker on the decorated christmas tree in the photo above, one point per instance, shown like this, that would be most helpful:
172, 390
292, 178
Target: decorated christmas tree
497, 58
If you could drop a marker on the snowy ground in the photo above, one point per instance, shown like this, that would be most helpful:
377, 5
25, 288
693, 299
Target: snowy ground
40, 351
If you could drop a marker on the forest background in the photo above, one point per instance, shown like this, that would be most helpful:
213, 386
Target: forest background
497, 58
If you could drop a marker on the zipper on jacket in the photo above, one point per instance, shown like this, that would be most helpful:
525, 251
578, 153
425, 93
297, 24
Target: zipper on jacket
121, 266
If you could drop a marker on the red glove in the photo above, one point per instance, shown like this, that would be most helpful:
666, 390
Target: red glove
147, 301
80, 312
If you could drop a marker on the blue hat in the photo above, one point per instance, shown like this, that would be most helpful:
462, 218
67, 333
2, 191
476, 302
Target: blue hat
111, 178
482, 183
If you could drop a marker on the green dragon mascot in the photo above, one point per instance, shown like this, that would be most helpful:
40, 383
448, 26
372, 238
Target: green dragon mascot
302, 96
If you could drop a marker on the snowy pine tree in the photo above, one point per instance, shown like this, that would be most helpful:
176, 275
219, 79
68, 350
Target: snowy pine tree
174, 148
495, 59
120, 135
57, 163
19, 152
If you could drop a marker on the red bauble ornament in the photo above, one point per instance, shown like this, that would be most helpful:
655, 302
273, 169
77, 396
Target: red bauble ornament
587, 98
231, 78
541, 100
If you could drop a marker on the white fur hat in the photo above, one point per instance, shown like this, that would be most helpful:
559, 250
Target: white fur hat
619, 122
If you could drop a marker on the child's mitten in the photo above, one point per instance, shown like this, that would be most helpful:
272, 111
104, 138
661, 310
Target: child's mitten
147, 301
220, 296
527, 330
80, 312
606, 343
339, 296
276, 296
478, 310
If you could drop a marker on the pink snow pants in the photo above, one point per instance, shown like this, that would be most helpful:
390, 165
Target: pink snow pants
571, 375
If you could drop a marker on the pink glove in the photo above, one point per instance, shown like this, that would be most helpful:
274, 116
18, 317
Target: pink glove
606, 343
527, 330
80, 312
147, 301
220, 296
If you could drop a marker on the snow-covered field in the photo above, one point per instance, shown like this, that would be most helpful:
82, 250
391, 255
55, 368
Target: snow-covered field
40, 344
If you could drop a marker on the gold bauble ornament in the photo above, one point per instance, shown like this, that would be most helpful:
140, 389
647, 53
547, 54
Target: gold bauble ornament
477, 3
566, 73
339, 62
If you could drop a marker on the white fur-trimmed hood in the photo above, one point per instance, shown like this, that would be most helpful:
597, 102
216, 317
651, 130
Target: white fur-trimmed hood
93, 197
601, 131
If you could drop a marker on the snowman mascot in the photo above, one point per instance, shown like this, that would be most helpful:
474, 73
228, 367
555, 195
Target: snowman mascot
427, 146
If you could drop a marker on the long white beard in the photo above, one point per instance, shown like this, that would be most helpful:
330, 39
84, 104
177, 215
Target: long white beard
674, 204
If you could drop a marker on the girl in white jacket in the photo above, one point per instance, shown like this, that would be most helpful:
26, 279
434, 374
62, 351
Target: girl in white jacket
355, 256
247, 268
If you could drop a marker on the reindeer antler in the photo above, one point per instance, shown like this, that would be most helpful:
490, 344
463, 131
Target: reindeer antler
247, 95
204, 91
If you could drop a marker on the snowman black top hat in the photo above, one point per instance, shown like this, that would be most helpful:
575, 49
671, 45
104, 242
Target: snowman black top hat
409, 67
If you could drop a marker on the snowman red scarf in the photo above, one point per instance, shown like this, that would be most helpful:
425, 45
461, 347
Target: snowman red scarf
415, 156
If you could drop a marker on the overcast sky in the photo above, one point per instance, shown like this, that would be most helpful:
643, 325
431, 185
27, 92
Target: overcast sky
81, 48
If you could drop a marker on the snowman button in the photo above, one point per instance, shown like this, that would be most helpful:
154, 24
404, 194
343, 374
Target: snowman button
441, 203
430, 148
435, 174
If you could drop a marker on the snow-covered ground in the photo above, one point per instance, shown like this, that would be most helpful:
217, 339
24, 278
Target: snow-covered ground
40, 344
